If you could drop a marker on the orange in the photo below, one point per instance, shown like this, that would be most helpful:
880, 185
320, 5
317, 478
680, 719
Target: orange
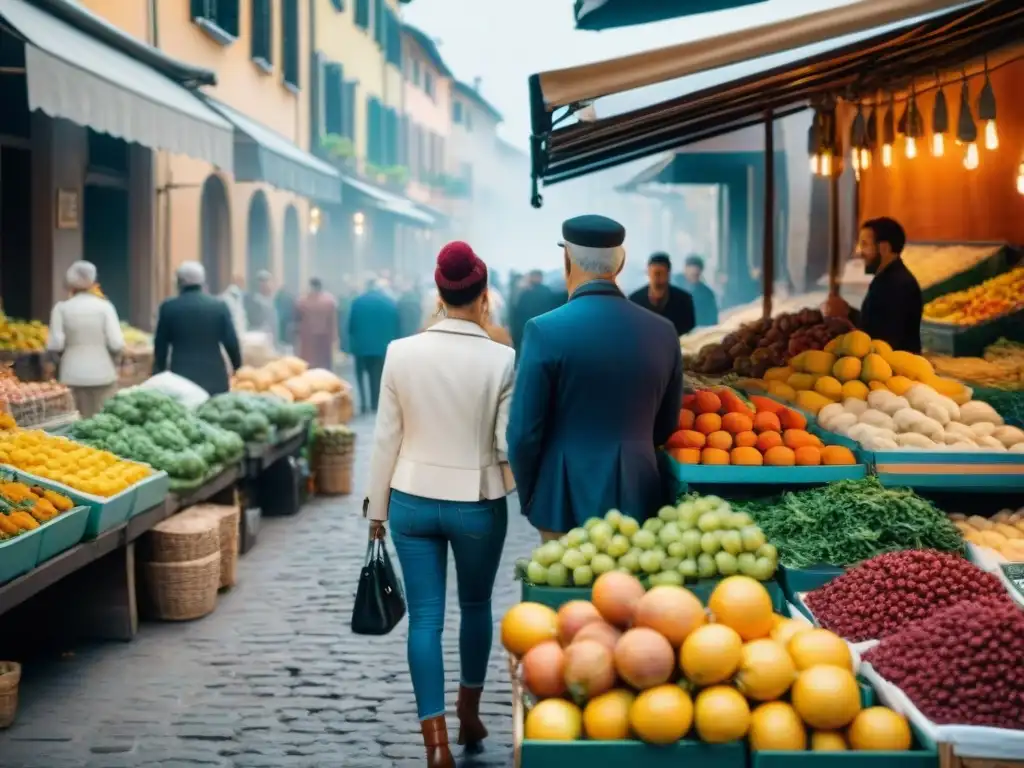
735, 423
526, 625
744, 604
808, 456
661, 715
720, 439
837, 454
745, 439
707, 402
791, 419
686, 419
606, 718
766, 421
768, 440
766, 671
711, 654
819, 646
777, 726
554, 720
797, 438
686, 455
828, 741
780, 456
826, 697
708, 423
746, 456
880, 729
714, 456
689, 438
721, 715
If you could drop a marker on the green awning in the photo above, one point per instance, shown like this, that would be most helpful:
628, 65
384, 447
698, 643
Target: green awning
596, 15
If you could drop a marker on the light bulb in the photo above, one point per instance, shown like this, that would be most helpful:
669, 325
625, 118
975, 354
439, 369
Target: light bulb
826, 164
911, 148
1020, 180
991, 135
938, 145
887, 155
865, 158
815, 164
971, 160
855, 158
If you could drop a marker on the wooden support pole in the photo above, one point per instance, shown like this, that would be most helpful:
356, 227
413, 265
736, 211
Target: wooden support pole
834, 218
768, 257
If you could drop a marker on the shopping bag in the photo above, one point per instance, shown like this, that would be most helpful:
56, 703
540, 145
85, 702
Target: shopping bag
379, 604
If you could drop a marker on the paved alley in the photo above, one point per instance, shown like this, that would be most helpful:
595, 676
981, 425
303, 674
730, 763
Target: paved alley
273, 679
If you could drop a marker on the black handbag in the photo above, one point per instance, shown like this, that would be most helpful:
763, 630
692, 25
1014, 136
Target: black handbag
379, 604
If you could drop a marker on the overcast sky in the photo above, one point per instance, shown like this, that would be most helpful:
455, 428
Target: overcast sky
505, 41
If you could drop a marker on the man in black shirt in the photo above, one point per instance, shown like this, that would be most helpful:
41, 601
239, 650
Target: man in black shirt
893, 306
663, 298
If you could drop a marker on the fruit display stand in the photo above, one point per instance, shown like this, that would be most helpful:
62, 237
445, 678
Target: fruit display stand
973, 471
970, 340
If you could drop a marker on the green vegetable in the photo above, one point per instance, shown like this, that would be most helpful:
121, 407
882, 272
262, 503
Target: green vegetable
844, 523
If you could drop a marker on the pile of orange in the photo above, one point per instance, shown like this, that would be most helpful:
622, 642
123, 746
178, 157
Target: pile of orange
720, 427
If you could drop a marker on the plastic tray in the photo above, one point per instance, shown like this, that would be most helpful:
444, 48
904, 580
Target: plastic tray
556, 597
970, 340
919, 756
62, 533
796, 581
701, 474
19, 555
104, 514
981, 471
150, 493
617, 754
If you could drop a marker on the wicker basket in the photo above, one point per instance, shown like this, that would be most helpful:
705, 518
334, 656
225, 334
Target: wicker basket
185, 537
228, 518
183, 591
334, 474
346, 408
10, 677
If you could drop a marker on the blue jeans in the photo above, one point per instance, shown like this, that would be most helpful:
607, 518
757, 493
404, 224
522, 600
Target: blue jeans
422, 529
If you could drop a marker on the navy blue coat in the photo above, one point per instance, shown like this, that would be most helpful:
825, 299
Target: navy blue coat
373, 323
600, 384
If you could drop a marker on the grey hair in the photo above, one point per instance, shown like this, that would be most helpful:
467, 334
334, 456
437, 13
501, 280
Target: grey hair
191, 273
81, 276
264, 276
596, 261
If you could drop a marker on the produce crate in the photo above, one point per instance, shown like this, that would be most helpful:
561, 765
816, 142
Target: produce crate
104, 514
616, 754
920, 756
796, 581
19, 555
62, 533
701, 474
999, 262
970, 340
556, 597
975, 471
150, 493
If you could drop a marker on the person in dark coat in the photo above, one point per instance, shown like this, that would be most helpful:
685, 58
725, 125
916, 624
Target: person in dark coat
600, 385
191, 329
373, 323
410, 309
532, 301
663, 298
705, 305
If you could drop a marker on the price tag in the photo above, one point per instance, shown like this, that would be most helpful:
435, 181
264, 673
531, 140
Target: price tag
1013, 577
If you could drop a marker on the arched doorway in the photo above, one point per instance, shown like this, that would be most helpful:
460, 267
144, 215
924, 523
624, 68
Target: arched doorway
291, 249
215, 233
259, 237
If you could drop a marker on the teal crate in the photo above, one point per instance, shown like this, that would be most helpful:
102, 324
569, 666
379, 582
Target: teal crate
104, 514
920, 755
556, 597
974, 471
999, 262
62, 533
19, 555
700, 474
617, 754
970, 340
797, 580
150, 493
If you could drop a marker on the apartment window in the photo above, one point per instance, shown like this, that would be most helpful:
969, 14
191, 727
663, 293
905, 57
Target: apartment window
374, 132
262, 32
428, 83
218, 18
415, 70
421, 153
457, 112
339, 5
467, 120
334, 108
363, 13
380, 23
393, 38
290, 42
348, 110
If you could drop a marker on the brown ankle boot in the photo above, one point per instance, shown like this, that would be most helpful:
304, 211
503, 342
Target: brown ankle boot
435, 739
471, 730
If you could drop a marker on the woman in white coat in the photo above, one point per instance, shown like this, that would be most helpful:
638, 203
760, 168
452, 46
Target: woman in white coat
439, 472
85, 330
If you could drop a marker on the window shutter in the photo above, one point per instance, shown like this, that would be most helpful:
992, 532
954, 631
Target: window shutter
380, 23
226, 12
348, 106
363, 13
200, 9
333, 108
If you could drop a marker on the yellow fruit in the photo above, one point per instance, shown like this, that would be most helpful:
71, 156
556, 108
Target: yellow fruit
875, 369
829, 387
951, 388
776, 726
782, 390
846, 368
744, 604
879, 729
819, 646
818, 362
833, 345
766, 670
906, 364
721, 715
778, 374
661, 715
801, 381
855, 344
880, 347
526, 625
711, 654
855, 389
828, 741
787, 629
554, 720
826, 697
899, 385
873, 385
811, 401
797, 362
606, 718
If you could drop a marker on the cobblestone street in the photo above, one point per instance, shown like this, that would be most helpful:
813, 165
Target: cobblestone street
273, 678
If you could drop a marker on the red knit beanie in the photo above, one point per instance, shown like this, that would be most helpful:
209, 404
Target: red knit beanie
459, 269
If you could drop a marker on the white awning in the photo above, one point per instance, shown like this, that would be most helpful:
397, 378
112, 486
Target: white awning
73, 76
386, 201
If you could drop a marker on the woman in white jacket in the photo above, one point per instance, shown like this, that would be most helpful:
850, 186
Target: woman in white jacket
439, 470
87, 333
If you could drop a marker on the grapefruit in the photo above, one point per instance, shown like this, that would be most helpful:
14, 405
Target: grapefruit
777, 726
573, 616
615, 595
787, 629
828, 741
544, 670
826, 697
744, 604
661, 715
880, 729
766, 671
606, 718
819, 646
711, 654
526, 625
554, 720
602, 632
589, 669
721, 714
674, 612
644, 659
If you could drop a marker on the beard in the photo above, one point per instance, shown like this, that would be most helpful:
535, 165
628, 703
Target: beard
871, 265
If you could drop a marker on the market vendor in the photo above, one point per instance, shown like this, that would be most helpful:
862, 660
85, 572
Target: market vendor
892, 309
599, 386
663, 298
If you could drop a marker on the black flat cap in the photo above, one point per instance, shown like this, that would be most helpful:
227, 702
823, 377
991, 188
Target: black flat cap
593, 232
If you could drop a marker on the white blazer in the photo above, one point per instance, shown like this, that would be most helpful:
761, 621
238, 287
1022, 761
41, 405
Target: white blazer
86, 330
441, 419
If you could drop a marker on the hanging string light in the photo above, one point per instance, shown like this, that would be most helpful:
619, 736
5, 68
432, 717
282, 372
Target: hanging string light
966, 130
828, 140
911, 125
857, 134
1020, 179
814, 144
940, 122
987, 111
870, 139
889, 132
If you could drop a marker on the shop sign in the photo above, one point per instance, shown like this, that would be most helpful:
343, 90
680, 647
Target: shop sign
67, 209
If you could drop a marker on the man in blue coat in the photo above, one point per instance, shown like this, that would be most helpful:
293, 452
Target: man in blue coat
373, 323
600, 384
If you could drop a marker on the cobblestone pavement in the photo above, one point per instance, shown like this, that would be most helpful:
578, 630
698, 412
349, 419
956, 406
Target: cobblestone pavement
274, 678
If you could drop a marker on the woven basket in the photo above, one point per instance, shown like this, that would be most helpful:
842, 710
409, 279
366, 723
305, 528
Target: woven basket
334, 474
346, 409
183, 538
228, 518
10, 677
183, 591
